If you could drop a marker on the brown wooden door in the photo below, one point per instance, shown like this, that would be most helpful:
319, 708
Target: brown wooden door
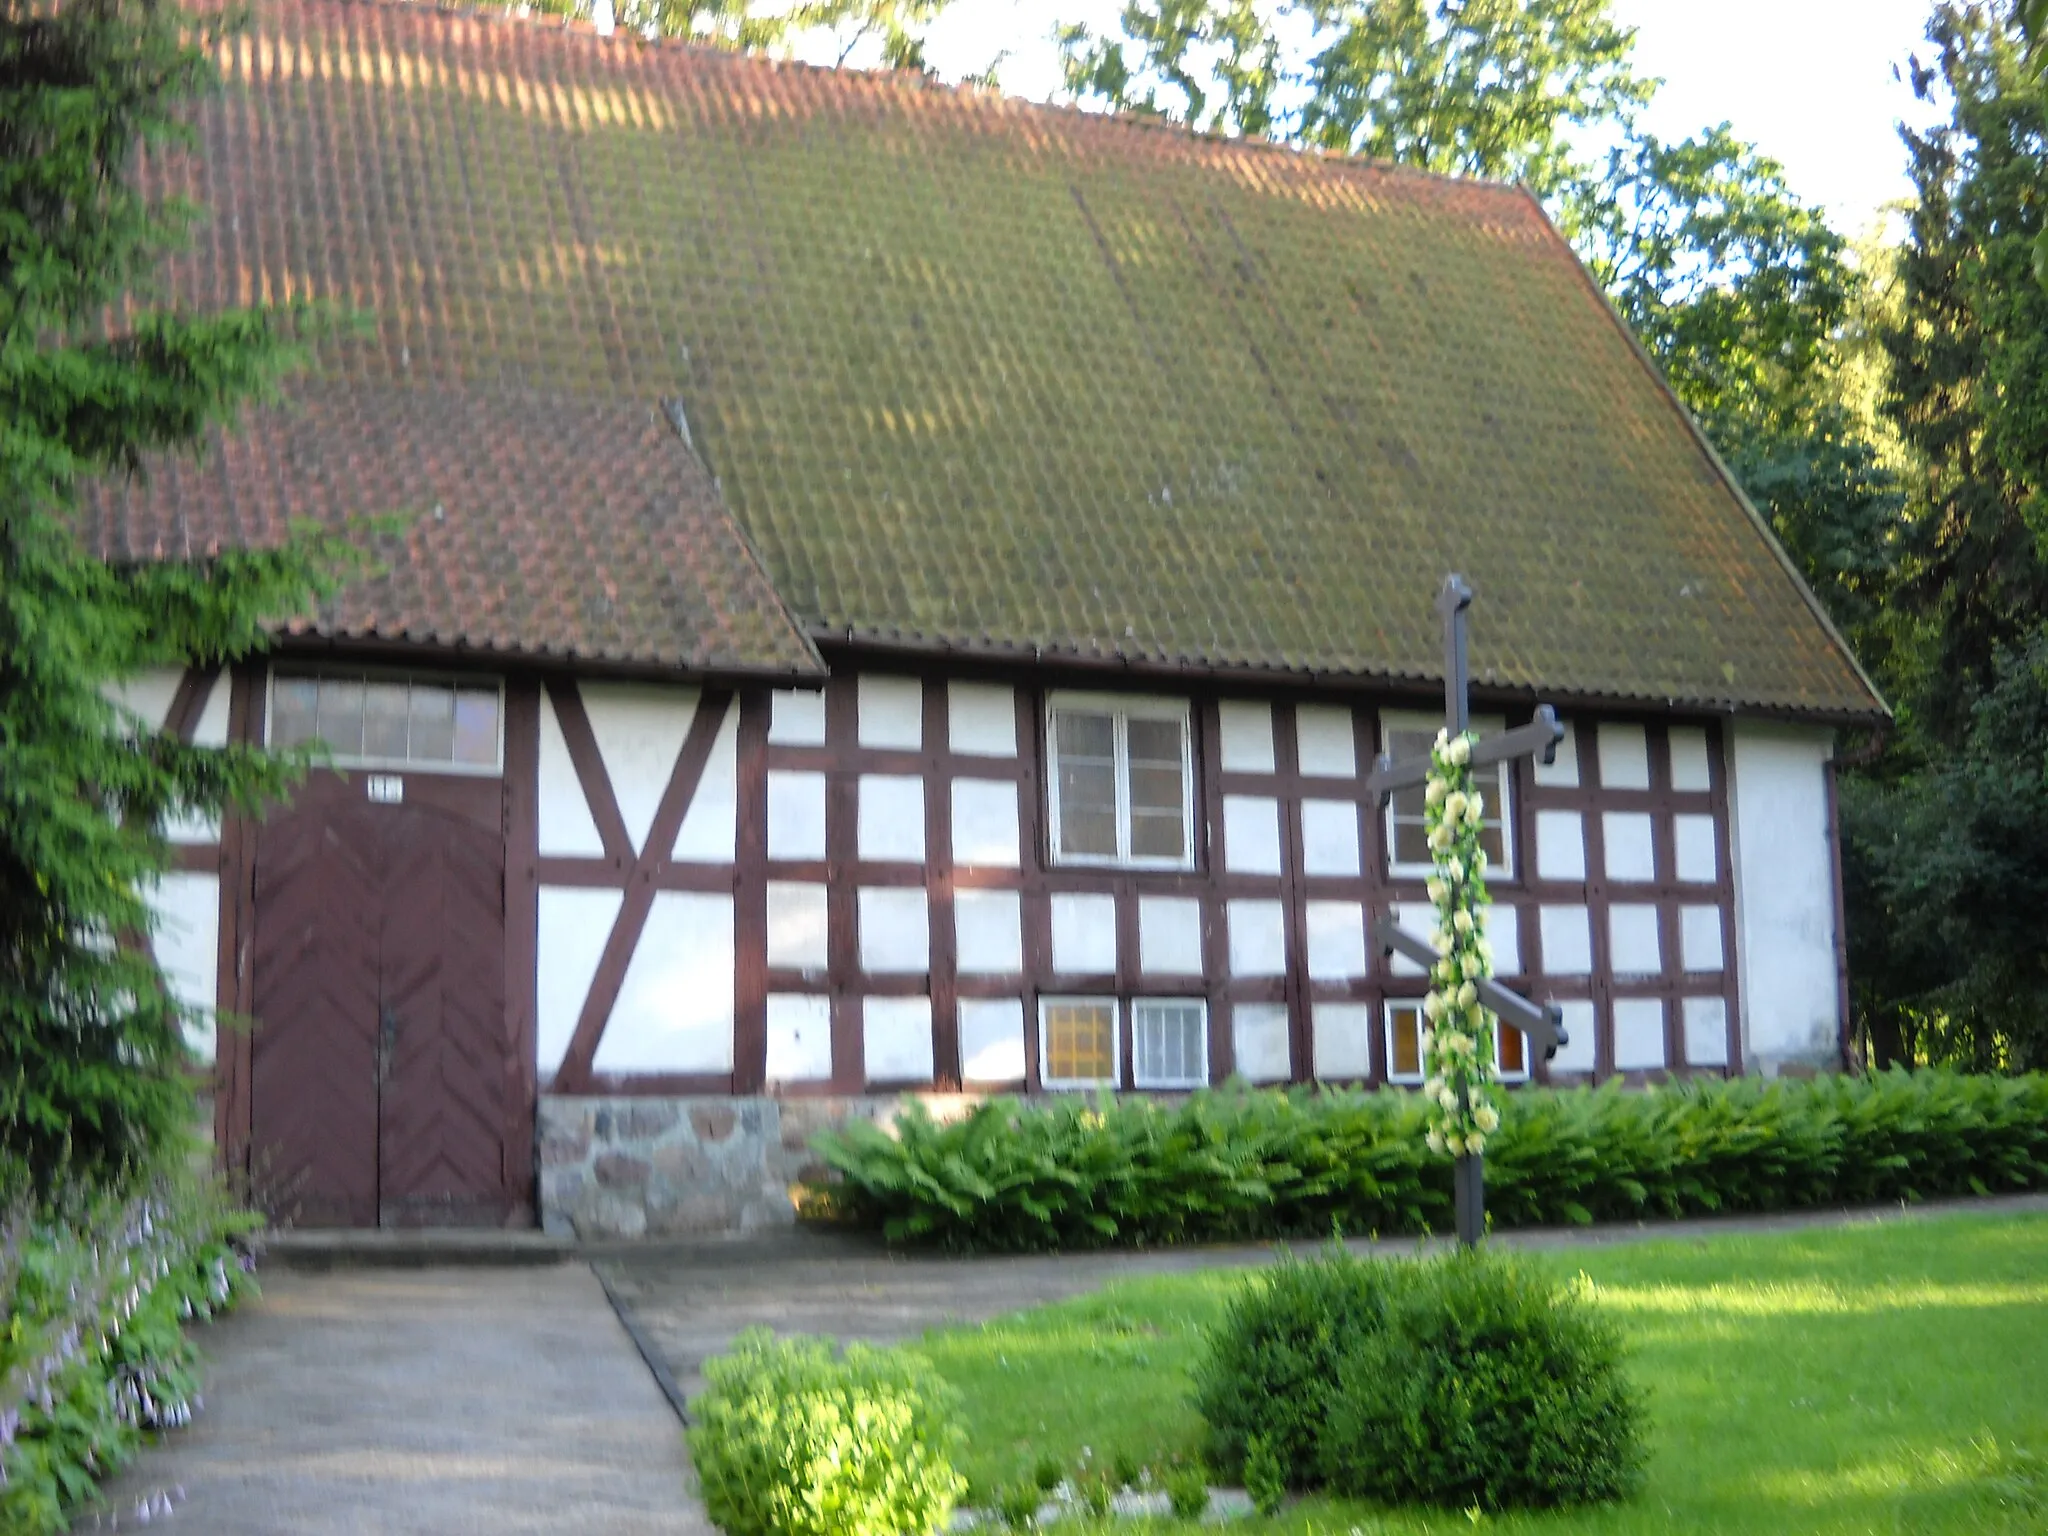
379, 1089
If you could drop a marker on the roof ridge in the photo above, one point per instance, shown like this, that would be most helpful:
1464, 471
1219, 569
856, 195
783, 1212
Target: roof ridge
1339, 161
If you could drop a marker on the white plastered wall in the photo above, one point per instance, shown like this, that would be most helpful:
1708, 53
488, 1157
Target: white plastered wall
1784, 869
184, 905
674, 1010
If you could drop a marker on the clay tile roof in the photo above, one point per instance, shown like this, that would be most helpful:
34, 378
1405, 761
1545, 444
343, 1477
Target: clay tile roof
971, 373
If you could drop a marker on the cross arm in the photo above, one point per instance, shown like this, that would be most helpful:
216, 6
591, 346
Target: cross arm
1543, 1023
1538, 739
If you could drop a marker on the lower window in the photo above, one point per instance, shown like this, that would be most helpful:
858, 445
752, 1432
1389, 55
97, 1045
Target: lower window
1170, 1042
1077, 1042
1404, 1046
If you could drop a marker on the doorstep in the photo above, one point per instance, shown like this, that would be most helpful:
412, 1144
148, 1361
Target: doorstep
320, 1249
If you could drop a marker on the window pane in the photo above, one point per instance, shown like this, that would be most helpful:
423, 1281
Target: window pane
1155, 742
1157, 836
341, 716
1088, 808
384, 720
1084, 736
1411, 842
295, 708
476, 726
1170, 1042
1404, 1055
1080, 1042
1512, 1047
433, 723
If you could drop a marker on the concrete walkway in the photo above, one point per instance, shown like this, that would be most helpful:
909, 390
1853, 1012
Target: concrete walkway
424, 1400
690, 1299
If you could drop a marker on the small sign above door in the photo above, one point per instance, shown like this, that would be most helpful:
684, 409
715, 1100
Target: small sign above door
386, 789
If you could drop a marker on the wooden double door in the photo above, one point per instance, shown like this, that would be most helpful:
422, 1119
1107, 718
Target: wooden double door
381, 1083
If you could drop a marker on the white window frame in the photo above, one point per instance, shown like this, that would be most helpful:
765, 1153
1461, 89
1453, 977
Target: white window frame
320, 672
1123, 708
1116, 1042
1406, 1004
1500, 802
1139, 1076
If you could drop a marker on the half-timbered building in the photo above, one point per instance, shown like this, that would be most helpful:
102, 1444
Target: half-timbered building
890, 590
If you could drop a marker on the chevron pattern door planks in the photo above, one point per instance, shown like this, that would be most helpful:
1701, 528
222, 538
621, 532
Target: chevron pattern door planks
442, 1118
379, 1085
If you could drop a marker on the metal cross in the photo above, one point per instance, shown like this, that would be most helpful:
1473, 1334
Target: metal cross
1543, 1024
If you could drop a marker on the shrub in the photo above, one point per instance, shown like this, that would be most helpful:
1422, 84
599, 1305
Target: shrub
1265, 1479
1187, 1491
97, 1289
1270, 1360
793, 1440
1238, 1164
1485, 1383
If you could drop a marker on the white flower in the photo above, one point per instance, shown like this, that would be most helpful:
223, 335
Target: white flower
1459, 751
1441, 836
1433, 793
1456, 1143
1441, 941
1443, 738
1475, 1143
1435, 1138
1475, 806
1479, 862
1487, 1117
1437, 890
1449, 1099
1433, 1005
1462, 920
1467, 995
1454, 805
1485, 948
1474, 969
1453, 866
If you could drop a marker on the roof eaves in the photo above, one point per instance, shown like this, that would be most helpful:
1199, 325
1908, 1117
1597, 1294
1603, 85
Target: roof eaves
1321, 679
1706, 446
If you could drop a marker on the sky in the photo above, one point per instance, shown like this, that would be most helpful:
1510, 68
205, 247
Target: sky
1809, 81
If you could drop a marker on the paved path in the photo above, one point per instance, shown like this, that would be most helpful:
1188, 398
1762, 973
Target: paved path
431, 1400
690, 1299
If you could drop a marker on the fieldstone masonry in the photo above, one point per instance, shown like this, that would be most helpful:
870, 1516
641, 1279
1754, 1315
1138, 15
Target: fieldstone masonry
682, 1167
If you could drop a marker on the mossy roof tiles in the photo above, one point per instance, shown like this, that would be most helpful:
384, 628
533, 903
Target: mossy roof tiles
979, 374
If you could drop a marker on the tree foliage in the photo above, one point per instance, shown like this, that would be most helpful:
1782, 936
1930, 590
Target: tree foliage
1946, 846
1470, 87
893, 29
91, 1050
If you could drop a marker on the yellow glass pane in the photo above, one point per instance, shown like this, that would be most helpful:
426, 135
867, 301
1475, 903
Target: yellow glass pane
1514, 1059
1405, 1056
1080, 1042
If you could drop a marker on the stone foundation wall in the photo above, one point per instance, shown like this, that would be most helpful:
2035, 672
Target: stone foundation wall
684, 1167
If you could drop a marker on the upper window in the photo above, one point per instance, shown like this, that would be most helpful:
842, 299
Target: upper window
1408, 736
1121, 782
387, 719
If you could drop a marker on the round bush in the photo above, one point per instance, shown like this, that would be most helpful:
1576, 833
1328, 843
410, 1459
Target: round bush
1487, 1383
791, 1440
1271, 1361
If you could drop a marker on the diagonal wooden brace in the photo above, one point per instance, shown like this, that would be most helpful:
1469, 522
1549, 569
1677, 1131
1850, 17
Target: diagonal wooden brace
1538, 739
1543, 1023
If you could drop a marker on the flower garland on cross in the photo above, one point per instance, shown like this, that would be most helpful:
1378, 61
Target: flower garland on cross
1457, 1033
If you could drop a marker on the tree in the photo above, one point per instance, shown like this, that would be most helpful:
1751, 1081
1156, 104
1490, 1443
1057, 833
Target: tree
893, 29
1470, 87
1946, 834
91, 1052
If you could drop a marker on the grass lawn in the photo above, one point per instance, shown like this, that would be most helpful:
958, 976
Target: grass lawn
1885, 1378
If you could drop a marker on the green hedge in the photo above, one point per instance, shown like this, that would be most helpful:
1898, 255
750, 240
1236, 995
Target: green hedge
94, 1355
1239, 1164
793, 1439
